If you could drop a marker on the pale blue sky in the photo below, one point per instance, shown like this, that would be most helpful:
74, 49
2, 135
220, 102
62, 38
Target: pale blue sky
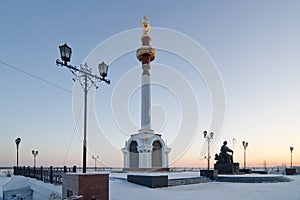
255, 44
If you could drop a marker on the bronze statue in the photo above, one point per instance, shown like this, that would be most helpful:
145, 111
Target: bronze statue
224, 157
145, 25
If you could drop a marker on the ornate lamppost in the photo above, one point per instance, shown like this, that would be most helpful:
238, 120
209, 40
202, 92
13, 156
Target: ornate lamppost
18, 141
245, 145
291, 149
234, 140
34, 153
95, 158
208, 138
87, 80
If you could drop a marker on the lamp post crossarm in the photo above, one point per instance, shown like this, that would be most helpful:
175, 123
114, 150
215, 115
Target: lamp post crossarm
100, 78
83, 70
60, 63
86, 71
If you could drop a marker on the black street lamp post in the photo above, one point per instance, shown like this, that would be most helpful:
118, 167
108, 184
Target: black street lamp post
87, 80
95, 158
291, 149
245, 145
208, 138
18, 140
233, 142
34, 153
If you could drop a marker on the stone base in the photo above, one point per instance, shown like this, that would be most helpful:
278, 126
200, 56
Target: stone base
253, 179
146, 150
227, 168
152, 181
259, 172
89, 186
290, 171
146, 169
246, 171
211, 174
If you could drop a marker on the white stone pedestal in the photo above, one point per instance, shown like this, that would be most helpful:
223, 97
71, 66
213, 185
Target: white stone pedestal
147, 151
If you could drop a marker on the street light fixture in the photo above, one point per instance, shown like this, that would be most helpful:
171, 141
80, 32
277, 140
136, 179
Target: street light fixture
34, 153
245, 145
65, 53
17, 141
103, 68
95, 158
208, 138
86, 80
291, 149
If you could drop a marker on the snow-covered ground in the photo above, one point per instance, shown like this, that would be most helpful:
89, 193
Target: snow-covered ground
121, 189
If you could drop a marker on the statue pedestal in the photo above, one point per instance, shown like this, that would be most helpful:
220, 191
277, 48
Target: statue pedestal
227, 168
290, 171
246, 171
88, 186
146, 151
149, 180
211, 174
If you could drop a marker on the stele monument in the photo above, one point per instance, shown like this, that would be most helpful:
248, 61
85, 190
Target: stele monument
146, 150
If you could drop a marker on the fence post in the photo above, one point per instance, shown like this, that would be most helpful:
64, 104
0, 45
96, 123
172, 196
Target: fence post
15, 170
42, 178
57, 172
51, 175
74, 169
28, 172
34, 173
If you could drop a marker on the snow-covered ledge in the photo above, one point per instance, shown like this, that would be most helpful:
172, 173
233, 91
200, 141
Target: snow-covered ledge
20, 186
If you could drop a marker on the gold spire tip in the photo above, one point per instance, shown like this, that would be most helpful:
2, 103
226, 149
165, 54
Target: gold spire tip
145, 25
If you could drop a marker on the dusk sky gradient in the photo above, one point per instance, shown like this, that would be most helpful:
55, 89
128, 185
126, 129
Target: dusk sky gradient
254, 44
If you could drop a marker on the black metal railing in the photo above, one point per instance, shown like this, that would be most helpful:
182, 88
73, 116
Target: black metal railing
53, 175
46, 174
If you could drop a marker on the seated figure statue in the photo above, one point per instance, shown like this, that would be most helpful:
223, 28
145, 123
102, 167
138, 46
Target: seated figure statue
224, 157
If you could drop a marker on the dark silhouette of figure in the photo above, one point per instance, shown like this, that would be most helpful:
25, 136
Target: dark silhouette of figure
224, 157
224, 150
